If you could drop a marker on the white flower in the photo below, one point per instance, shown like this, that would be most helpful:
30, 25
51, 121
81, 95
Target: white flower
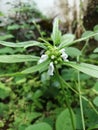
62, 50
51, 69
43, 58
52, 57
64, 55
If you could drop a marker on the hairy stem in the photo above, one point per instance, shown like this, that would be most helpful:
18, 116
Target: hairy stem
66, 98
76, 92
80, 99
85, 45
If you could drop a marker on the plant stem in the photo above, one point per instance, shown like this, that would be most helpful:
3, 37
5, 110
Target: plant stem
85, 45
80, 100
66, 99
38, 28
76, 92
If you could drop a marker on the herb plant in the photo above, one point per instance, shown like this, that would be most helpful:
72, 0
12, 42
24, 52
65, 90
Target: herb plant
56, 55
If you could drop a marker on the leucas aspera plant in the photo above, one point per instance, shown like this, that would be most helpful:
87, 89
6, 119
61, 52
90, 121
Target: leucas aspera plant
54, 57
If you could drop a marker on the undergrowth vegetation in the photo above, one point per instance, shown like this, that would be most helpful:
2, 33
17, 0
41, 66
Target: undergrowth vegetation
48, 84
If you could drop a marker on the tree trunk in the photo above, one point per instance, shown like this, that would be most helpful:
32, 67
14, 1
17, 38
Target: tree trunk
91, 16
71, 12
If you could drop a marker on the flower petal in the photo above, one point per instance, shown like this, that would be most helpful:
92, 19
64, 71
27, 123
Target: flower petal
51, 69
62, 50
43, 58
64, 55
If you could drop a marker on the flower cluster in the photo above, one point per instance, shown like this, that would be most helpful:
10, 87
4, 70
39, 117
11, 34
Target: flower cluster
55, 56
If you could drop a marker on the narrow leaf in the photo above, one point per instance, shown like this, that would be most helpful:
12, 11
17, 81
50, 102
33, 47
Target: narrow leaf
67, 38
23, 44
56, 33
81, 39
42, 66
89, 69
17, 58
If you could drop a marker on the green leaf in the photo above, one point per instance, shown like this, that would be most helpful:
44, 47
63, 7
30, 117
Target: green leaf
72, 51
56, 33
96, 37
9, 50
5, 50
96, 30
40, 126
95, 101
13, 27
5, 37
81, 39
89, 69
95, 88
4, 91
67, 38
3, 108
35, 44
87, 33
93, 127
96, 50
22, 127
63, 121
30, 116
17, 58
39, 67
23, 44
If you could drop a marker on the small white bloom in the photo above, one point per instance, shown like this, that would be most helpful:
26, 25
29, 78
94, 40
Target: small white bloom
43, 58
52, 57
62, 50
51, 69
64, 55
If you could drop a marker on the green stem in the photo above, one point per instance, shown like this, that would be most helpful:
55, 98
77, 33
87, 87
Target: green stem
90, 103
80, 100
38, 28
92, 106
66, 99
76, 92
85, 45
